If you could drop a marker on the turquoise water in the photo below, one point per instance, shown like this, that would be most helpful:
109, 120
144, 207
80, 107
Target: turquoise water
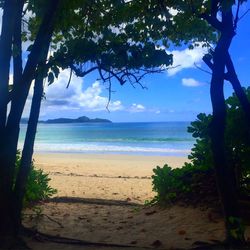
157, 138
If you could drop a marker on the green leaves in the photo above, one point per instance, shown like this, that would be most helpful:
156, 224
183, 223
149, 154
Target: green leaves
50, 78
37, 186
238, 228
169, 184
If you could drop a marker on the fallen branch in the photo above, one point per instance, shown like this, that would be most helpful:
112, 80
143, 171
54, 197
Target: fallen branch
48, 217
42, 237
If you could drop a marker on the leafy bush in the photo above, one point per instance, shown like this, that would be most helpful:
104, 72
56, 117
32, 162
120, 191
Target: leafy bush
180, 183
37, 187
197, 177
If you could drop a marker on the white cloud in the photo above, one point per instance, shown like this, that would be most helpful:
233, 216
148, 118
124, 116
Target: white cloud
58, 99
75, 98
173, 12
190, 82
184, 59
1, 16
135, 108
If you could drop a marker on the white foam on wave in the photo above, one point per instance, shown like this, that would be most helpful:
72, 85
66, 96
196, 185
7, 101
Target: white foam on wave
81, 148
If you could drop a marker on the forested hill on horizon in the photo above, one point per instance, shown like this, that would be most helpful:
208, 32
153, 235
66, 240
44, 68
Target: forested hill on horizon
81, 119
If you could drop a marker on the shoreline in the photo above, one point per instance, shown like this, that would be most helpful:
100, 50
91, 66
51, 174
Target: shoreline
170, 154
105, 154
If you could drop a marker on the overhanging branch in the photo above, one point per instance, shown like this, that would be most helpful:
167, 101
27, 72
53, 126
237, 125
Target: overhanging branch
213, 21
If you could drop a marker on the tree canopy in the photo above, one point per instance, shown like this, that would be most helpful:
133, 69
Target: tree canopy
122, 41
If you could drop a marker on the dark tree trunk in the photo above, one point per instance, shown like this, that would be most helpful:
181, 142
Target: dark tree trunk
27, 152
17, 45
5, 56
233, 78
21, 90
8, 145
224, 174
8, 22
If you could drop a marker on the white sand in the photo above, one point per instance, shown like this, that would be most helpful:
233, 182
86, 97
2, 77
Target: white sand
118, 177
124, 179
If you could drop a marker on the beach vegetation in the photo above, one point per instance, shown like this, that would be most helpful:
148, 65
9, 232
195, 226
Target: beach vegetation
84, 39
195, 181
216, 21
186, 184
37, 186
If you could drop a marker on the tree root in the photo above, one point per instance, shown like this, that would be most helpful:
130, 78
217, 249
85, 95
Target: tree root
103, 202
218, 245
48, 217
42, 237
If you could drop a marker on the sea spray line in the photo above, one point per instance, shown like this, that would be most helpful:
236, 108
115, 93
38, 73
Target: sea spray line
78, 148
132, 138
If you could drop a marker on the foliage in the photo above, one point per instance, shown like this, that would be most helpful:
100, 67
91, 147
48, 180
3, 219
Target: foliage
37, 187
88, 37
172, 184
196, 177
238, 142
238, 227
201, 154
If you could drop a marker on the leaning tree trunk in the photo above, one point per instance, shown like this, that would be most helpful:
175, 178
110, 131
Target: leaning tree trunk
17, 45
27, 152
21, 91
233, 78
8, 22
19, 96
224, 175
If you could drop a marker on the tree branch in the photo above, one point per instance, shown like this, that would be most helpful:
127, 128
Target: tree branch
231, 76
81, 73
244, 14
70, 76
213, 21
207, 60
237, 16
203, 70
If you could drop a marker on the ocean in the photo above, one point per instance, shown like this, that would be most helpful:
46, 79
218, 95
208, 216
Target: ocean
143, 138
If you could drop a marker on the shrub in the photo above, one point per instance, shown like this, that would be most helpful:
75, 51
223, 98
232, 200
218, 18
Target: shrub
37, 187
180, 183
197, 177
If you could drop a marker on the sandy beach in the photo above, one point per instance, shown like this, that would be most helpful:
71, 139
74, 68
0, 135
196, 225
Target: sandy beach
119, 177
100, 199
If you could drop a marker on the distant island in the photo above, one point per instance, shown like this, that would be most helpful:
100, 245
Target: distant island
81, 119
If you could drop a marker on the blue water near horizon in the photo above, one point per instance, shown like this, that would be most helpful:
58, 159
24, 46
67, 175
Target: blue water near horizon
144, 138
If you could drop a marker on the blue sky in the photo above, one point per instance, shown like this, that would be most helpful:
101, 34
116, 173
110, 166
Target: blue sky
175, 95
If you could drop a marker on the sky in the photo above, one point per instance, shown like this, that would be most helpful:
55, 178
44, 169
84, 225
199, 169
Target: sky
177, 94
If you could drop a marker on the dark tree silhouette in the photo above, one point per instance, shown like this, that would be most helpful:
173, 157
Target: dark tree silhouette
120, 65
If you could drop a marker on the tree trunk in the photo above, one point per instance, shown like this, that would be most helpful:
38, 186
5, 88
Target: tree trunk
233, 78
8, 21
26, 158
21, 90
224, 175
17, 45
8, 145
5, 56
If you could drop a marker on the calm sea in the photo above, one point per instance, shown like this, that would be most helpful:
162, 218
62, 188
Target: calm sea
150, 138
